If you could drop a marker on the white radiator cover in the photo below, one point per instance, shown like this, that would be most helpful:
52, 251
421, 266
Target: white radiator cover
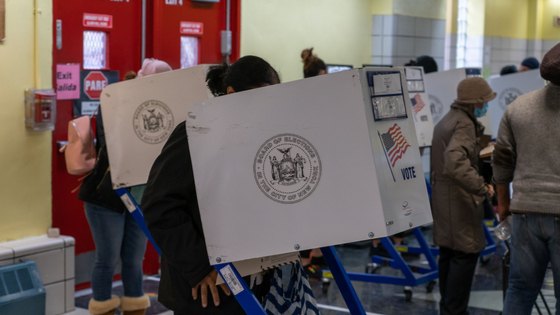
55, 260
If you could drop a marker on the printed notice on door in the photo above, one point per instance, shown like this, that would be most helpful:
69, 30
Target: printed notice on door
387, 84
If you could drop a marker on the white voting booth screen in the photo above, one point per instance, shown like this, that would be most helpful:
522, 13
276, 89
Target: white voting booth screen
140, 114
420, 111
339, 150
508, 88
443, 92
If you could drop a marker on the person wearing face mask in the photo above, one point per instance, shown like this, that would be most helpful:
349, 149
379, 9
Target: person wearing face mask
458, 192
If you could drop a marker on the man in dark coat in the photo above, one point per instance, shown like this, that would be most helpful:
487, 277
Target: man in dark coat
458, 191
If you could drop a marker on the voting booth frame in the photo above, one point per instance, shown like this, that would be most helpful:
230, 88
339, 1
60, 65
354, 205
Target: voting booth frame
342, 278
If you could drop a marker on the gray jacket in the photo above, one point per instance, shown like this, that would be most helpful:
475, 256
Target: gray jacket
457, 188
527, 151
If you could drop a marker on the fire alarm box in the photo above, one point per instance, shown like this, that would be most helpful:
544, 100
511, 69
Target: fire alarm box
40, 109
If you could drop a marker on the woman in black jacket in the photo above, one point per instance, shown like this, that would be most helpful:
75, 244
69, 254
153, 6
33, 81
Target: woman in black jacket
115, 232
171, 209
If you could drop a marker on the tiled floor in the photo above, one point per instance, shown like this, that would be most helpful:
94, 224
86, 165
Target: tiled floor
486, 294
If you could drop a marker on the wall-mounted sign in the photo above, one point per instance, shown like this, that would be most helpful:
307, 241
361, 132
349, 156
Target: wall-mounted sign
92, 84
174, 2
98, 20
556, 21
192, 28
67, 82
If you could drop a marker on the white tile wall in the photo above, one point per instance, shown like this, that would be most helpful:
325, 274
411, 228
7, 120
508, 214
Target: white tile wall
438, 48
405, 46
398, 39
423, 27
405, 25
438, 28
376, 45
388, 27
501, 51
548, 44
377, 25
55, 294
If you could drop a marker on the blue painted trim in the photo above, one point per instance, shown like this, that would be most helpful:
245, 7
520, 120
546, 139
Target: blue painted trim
342, 281
490, 247
246, 298
139, 217
426, 250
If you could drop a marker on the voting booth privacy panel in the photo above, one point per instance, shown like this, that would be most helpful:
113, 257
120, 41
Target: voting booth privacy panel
443, 92
338, 150
419, 98
508, 88
140, 114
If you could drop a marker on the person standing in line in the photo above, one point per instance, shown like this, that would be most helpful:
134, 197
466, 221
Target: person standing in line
115, 232
313, 260
458, 192
529, 63
527, 154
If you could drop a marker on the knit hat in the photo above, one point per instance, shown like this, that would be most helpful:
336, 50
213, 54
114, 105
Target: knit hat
531, 63
473, 91
153, 66
508, 69
550, 68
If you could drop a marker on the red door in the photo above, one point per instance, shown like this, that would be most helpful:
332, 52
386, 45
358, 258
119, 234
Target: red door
105, 35
177, 40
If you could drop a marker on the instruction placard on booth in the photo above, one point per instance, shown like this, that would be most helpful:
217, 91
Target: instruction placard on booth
420, 110
268, 161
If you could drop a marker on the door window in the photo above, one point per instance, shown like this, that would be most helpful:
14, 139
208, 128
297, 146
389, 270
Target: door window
95, 50
189, 51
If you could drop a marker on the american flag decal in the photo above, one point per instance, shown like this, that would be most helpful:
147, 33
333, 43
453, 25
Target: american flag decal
395, 144
417, 103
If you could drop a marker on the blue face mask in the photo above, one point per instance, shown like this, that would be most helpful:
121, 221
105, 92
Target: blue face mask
480, 112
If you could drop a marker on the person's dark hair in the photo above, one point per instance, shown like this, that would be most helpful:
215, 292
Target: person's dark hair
312, 65
428, 63
508, 69
410, 63
246, 73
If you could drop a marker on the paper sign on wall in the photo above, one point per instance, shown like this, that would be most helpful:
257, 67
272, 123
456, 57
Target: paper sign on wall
67, 82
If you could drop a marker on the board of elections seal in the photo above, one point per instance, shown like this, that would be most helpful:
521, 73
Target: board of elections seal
436, 107
508, 96
287, 168
153, 122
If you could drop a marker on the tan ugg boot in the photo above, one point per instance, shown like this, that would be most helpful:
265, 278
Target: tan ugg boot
104, 307
135, 305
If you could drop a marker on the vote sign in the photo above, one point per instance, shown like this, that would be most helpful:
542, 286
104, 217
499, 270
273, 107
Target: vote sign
94, 83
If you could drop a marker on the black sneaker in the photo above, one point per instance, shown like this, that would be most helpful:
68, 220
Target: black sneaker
319, 261
379, 250
313, 272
